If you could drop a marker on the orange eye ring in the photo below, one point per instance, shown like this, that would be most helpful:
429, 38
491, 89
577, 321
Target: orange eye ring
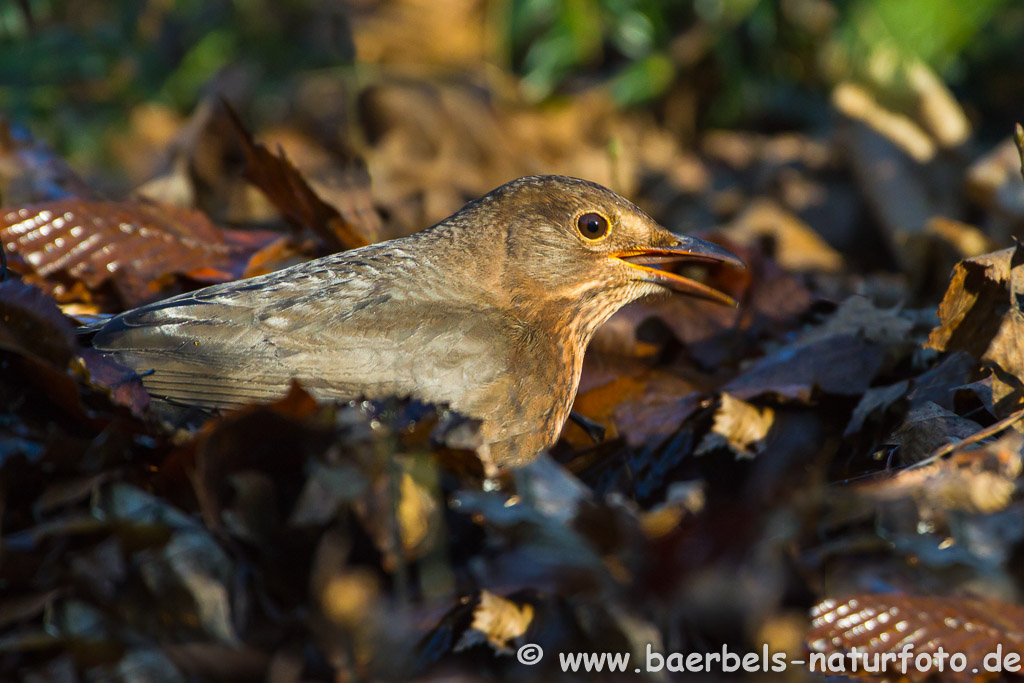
592, 226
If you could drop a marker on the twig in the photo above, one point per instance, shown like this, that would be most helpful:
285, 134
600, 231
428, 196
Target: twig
973, 438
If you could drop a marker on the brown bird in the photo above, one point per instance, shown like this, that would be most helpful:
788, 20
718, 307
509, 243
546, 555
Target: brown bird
489, 311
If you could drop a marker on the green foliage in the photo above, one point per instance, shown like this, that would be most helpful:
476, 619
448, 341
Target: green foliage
934, 31
761, 52
552, 39
74, 68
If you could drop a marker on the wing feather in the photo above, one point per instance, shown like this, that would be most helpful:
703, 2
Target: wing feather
328, 327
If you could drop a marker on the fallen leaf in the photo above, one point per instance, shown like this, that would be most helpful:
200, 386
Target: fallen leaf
33, 325
887, 622
875, 399
927, 427
982, 480
857, 103
982, 313
285, 187
739, 427
135, 245
122, 384
795, 245
842, 364
496, 621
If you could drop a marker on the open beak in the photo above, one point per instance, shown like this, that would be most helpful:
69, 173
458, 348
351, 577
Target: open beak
686, 250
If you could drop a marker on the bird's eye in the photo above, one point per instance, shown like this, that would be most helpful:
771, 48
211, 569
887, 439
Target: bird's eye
592, 225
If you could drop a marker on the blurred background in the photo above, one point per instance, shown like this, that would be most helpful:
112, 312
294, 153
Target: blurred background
759, 467
477, 92
446, 100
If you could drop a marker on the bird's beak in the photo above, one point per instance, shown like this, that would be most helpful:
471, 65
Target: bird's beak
686, 249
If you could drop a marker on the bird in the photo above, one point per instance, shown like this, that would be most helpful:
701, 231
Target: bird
488, 311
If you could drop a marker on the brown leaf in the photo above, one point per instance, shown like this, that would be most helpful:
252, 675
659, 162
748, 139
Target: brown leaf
123, 384
876, 398
982, 480
496, 621
33, 325
285, 187
739, 427
973, 303
858, 316
796, 246
642, 407
982, 313
136, 245
882, 623
402, 513
840, 364
928, 427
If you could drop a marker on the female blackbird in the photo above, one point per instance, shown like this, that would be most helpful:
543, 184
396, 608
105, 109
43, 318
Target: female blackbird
489, 311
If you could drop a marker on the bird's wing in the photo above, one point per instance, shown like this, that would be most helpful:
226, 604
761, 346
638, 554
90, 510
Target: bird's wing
341, 334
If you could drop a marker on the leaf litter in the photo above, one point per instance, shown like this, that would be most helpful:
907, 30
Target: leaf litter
844, 446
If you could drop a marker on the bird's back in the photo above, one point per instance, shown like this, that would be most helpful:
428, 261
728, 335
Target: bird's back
361, 323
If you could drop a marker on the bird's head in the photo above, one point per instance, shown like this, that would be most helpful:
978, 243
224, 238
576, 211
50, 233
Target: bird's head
580, 245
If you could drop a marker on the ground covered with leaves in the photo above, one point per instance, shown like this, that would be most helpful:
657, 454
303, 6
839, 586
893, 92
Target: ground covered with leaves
835, 464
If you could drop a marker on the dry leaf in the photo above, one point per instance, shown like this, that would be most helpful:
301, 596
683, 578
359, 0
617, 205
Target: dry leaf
739, 427
136, 245
881, 623
796, 246
927, 427
285, 187
981, 313
33, 325
982, 480
841, 364
497, 621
